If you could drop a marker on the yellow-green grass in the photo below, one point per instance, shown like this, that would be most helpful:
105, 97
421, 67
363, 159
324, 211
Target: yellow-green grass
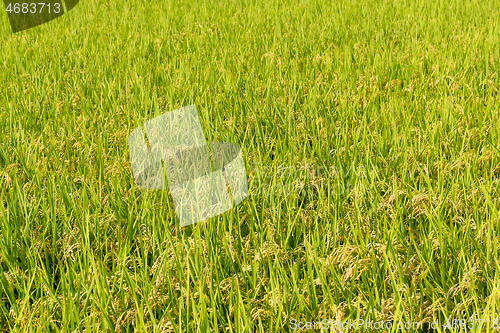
407, 88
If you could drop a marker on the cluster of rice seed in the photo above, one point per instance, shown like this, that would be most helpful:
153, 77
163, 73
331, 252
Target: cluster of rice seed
408, 88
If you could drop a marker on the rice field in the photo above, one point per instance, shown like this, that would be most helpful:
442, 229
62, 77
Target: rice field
370, 133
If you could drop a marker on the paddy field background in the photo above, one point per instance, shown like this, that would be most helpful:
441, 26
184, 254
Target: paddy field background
377, 121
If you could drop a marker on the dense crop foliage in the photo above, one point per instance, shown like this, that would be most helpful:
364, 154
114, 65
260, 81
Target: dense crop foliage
396, 100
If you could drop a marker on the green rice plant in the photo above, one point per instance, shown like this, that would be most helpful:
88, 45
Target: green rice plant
406, 89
